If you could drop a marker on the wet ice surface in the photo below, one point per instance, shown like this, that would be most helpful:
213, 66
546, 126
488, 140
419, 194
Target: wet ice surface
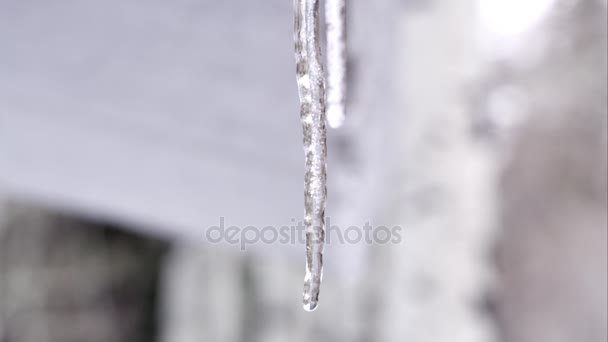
335, 19
311, 87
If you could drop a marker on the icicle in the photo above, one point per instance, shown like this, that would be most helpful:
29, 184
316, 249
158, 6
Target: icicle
335, 19
311, 88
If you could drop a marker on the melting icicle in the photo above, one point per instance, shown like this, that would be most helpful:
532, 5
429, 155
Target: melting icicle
311, 88
335, 18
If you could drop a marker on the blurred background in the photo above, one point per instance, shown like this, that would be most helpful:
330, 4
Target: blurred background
129, 127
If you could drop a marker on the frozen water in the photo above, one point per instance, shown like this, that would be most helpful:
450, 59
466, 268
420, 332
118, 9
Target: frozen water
311, 88
335, 18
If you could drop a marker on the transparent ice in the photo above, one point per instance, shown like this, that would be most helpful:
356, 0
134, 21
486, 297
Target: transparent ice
335, 21
311, 88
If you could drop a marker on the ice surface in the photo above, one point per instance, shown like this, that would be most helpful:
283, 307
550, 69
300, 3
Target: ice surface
311, 87
335, 19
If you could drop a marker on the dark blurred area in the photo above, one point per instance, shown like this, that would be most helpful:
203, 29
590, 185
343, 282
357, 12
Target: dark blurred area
129, 128
69, 279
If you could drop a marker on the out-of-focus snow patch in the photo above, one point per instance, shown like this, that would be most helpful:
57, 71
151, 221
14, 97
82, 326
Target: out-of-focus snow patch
509, 18
506, 27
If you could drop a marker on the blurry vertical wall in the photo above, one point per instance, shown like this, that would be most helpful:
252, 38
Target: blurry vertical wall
127, 128
552, 252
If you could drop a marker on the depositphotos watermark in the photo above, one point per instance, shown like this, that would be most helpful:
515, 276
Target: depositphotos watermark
296, 234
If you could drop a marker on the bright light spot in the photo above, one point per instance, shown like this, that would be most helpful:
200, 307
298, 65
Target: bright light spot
335, 115
512, 17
